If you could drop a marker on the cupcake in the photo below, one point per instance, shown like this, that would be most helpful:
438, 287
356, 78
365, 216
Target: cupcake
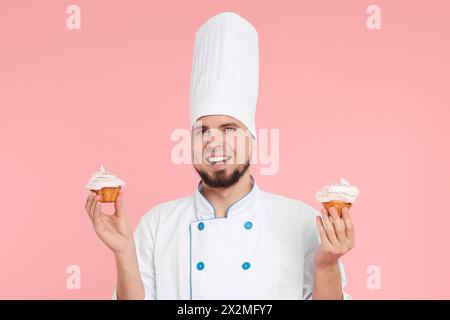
338, 195
105, 184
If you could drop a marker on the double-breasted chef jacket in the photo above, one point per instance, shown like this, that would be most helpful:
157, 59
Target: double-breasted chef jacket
263, 249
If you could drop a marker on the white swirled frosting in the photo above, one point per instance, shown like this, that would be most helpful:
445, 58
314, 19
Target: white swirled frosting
342, 191
102, 179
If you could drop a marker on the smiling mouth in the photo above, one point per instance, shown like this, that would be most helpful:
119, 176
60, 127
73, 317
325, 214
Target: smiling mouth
218, 160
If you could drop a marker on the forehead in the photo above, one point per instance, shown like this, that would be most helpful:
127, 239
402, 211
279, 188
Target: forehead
215, 121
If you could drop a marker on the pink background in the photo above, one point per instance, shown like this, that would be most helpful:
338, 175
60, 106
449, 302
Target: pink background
372, 106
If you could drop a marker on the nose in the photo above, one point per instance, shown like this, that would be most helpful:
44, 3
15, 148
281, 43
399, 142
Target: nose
216, 143
214, 149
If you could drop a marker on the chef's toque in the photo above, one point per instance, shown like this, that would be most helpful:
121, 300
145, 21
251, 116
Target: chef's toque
225, 70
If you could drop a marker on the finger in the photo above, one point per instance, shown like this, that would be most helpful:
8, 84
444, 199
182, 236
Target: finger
349, 227
87, 200
91, 201
96, 212
94, 204
339, 226
334, 213
329, 228
322, 233
118, 205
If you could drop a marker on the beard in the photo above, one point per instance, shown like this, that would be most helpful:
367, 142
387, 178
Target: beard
220, 178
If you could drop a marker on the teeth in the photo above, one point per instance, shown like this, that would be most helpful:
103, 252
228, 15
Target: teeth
217, 160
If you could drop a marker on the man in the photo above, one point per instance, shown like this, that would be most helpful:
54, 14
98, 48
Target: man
230, 240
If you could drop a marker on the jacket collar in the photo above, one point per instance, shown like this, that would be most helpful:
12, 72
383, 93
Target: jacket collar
247, 204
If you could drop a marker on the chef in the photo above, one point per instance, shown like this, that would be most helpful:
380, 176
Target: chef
230, 239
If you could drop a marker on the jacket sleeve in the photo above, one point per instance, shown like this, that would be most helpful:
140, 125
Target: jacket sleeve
311, 243
145, 242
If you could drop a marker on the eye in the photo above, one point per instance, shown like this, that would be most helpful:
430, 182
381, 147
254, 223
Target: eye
200, 131
206, 133
230, 130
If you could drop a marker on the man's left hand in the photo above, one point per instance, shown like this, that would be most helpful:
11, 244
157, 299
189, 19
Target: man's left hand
337, 236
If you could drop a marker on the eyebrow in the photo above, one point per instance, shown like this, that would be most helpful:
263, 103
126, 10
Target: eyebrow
228, 124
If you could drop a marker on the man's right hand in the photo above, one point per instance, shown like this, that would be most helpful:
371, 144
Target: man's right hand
117, 234
113, 230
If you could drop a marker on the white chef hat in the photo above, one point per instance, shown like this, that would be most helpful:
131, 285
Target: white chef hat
225, 70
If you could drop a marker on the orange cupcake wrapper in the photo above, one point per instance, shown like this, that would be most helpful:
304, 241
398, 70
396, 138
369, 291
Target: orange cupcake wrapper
108, 194
339, 205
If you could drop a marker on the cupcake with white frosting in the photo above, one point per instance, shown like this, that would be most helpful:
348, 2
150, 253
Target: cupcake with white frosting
105, 184
338, 195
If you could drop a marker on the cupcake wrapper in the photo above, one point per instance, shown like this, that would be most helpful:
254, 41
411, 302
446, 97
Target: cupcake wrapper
337, 204
108, 194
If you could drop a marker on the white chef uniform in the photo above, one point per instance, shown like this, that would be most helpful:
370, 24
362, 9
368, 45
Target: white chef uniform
263, 249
